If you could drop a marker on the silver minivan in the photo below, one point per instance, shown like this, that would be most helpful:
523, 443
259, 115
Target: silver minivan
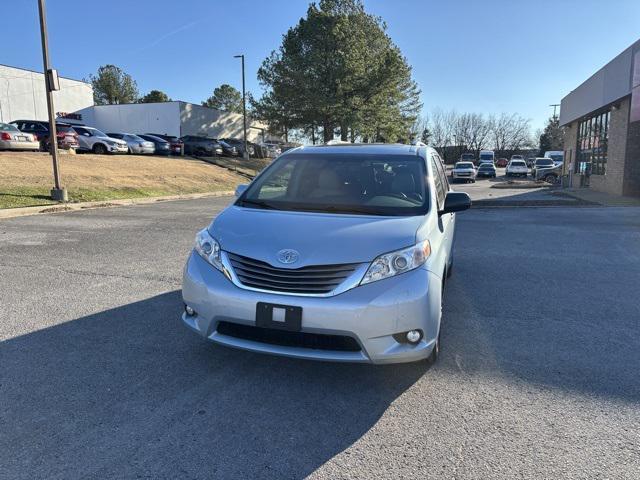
336, 253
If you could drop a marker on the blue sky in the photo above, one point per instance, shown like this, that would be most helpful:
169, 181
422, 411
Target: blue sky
485, 56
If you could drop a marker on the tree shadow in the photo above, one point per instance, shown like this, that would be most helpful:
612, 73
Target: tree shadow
131, 392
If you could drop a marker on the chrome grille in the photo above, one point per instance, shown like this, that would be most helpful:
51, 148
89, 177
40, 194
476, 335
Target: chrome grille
315, 279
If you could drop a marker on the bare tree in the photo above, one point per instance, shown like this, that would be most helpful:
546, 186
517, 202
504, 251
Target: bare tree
509, 132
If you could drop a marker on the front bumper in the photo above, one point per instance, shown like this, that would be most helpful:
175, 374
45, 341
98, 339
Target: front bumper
118, 148
143, 150
370, 314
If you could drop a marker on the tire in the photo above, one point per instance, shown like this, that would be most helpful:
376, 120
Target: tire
552, 179
435, 353
99, 149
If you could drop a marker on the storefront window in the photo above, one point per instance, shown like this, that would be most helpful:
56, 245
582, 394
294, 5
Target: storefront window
593, 136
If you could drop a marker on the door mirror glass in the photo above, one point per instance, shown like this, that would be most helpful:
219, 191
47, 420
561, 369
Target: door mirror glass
456, 202
240, 189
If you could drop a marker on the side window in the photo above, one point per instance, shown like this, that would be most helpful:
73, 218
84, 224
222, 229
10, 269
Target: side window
437, 180
443, 174
278, 183
83, 132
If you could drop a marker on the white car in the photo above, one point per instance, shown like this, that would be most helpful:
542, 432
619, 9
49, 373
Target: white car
517, 168
464, 171
93, 140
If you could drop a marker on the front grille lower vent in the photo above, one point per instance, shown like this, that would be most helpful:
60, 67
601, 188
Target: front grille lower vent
315, 279
315, 341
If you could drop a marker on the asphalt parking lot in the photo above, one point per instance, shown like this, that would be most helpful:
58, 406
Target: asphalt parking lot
538, 376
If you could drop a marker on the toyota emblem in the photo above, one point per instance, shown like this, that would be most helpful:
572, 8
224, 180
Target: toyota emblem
288, 256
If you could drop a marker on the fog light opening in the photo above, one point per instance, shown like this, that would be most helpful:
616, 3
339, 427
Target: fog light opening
414, 336
190, 311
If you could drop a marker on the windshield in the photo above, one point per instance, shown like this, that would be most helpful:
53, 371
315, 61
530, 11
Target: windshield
517, 163
486, 166
464, 165
97, 133
557, 157
5, 127
486, 156
332, 183
544, 162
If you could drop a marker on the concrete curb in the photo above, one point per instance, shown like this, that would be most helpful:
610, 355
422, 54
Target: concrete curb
68, 207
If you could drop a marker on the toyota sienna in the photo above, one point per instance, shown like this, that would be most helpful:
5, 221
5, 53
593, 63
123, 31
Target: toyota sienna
335, 253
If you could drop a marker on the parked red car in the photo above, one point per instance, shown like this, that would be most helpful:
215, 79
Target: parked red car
67, 137
502, 162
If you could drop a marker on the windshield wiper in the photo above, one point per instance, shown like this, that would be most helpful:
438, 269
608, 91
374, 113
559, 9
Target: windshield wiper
258, 203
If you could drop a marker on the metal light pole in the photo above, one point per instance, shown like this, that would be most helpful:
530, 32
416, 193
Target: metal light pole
244, 109
51, 84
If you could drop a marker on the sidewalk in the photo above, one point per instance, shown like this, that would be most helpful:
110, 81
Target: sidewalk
66, 207
604, 199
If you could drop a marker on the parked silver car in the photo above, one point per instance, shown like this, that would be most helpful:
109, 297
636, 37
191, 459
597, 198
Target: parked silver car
13, 139
332, 253
135, 143
93, 140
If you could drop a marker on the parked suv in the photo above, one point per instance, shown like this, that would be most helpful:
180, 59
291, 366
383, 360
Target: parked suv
93, 140
196, 145
540, 164
239, 144
517, 168
464, 171
67, 138
332, 253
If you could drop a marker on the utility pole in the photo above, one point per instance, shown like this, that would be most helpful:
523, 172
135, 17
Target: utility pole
244, 109
554, 105
51, 83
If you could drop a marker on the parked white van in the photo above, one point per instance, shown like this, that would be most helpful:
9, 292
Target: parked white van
556, 155
487, 156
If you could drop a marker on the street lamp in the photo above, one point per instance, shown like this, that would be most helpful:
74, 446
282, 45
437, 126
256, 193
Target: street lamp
51, 83
244, 109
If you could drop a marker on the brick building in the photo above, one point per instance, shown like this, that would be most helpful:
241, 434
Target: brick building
602, 127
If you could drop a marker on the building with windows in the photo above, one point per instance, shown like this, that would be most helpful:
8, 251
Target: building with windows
23, 95
602, 127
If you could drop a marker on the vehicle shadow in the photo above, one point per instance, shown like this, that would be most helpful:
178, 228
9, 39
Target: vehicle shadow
131, 392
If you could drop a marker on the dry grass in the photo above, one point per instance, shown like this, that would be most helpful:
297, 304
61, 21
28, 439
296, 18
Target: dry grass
26, 178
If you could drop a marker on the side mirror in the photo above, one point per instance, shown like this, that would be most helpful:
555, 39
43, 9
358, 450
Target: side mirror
240, 189
456, 202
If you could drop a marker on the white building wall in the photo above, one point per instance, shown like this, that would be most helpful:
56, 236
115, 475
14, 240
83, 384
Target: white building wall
22, 95
167, 118
162, 118
209, 122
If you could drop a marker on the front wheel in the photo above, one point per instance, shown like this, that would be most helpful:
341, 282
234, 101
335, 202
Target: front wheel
99, 149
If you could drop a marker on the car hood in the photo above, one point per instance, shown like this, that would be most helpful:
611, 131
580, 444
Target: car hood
115, 140
319, 238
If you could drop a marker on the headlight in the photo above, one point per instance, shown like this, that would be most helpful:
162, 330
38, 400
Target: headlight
395, 263
209, 249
